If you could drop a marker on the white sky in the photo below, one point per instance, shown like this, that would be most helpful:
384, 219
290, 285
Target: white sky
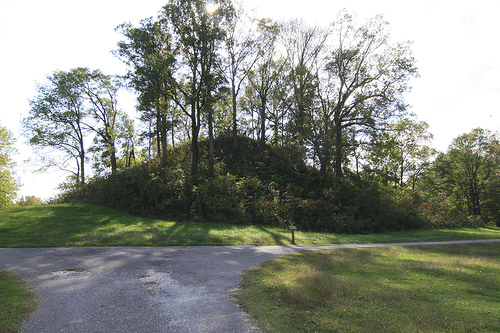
456, 45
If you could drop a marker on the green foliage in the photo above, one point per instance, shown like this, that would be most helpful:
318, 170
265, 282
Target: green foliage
317, 90
29, 200
399, 156
221, 199
465, 179
366, 78
69, 107
8, 184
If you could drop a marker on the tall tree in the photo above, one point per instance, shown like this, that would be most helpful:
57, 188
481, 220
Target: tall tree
249, 105
268, 68
56, 120
304, 49
401, 153
149, 52
101, 91
197, 35
468, 168
367, 77
128, 142
241, 55
8, 184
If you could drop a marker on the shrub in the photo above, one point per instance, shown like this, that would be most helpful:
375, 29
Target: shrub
29, 200
220, 199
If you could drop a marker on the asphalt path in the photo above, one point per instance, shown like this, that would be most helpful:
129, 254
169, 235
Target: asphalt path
145, 289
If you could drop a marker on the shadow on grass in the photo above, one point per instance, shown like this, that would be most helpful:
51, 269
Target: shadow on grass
278, 238
453, 286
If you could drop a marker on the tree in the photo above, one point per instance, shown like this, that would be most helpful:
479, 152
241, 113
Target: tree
468, 169
401, 153
366, 79
304, 46
249, 105
101, 91
8, 184
56, 120
268, 69
241, 55
29, 200
149, 53
71, 109
197, 35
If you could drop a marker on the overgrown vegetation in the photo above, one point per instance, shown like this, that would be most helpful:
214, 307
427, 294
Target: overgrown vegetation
399, 289
17, 302
263, 185
8, 183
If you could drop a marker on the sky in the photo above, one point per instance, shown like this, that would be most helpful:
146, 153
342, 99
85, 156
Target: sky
455, 44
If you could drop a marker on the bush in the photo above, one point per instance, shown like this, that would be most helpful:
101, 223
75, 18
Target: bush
444, 215
221, 199
29, 200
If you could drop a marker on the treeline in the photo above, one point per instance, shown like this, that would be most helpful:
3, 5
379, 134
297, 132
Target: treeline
326, 100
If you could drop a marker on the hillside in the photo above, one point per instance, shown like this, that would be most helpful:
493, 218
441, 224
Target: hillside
259, 185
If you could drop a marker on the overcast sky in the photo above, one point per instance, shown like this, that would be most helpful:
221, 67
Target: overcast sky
455, 43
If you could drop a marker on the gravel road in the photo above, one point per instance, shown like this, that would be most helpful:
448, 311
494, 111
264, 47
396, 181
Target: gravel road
144, 289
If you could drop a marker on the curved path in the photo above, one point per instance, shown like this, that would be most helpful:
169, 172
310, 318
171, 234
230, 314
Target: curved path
145, 289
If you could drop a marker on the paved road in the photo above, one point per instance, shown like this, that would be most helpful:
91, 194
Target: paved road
144, 289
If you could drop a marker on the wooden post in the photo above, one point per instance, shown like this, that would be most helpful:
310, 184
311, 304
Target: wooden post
293, 228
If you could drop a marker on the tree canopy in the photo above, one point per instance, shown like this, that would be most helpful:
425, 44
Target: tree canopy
8, 183
468, 172
68, 109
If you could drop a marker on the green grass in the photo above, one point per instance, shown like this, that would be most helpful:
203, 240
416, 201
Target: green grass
69, 225
453, 288
17, 302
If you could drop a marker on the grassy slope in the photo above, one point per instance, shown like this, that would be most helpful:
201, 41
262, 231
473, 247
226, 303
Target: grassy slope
69, 225
425, 289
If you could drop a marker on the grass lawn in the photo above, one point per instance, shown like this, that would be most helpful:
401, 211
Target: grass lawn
17, 302
69, 225
453, 288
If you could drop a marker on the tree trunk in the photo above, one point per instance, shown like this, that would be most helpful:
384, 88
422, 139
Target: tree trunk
163, 135
325, 158
235, 122
401, 174
158, 137
210, 142
194, 143
263, 101
338, 149
82, 165
113, 159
